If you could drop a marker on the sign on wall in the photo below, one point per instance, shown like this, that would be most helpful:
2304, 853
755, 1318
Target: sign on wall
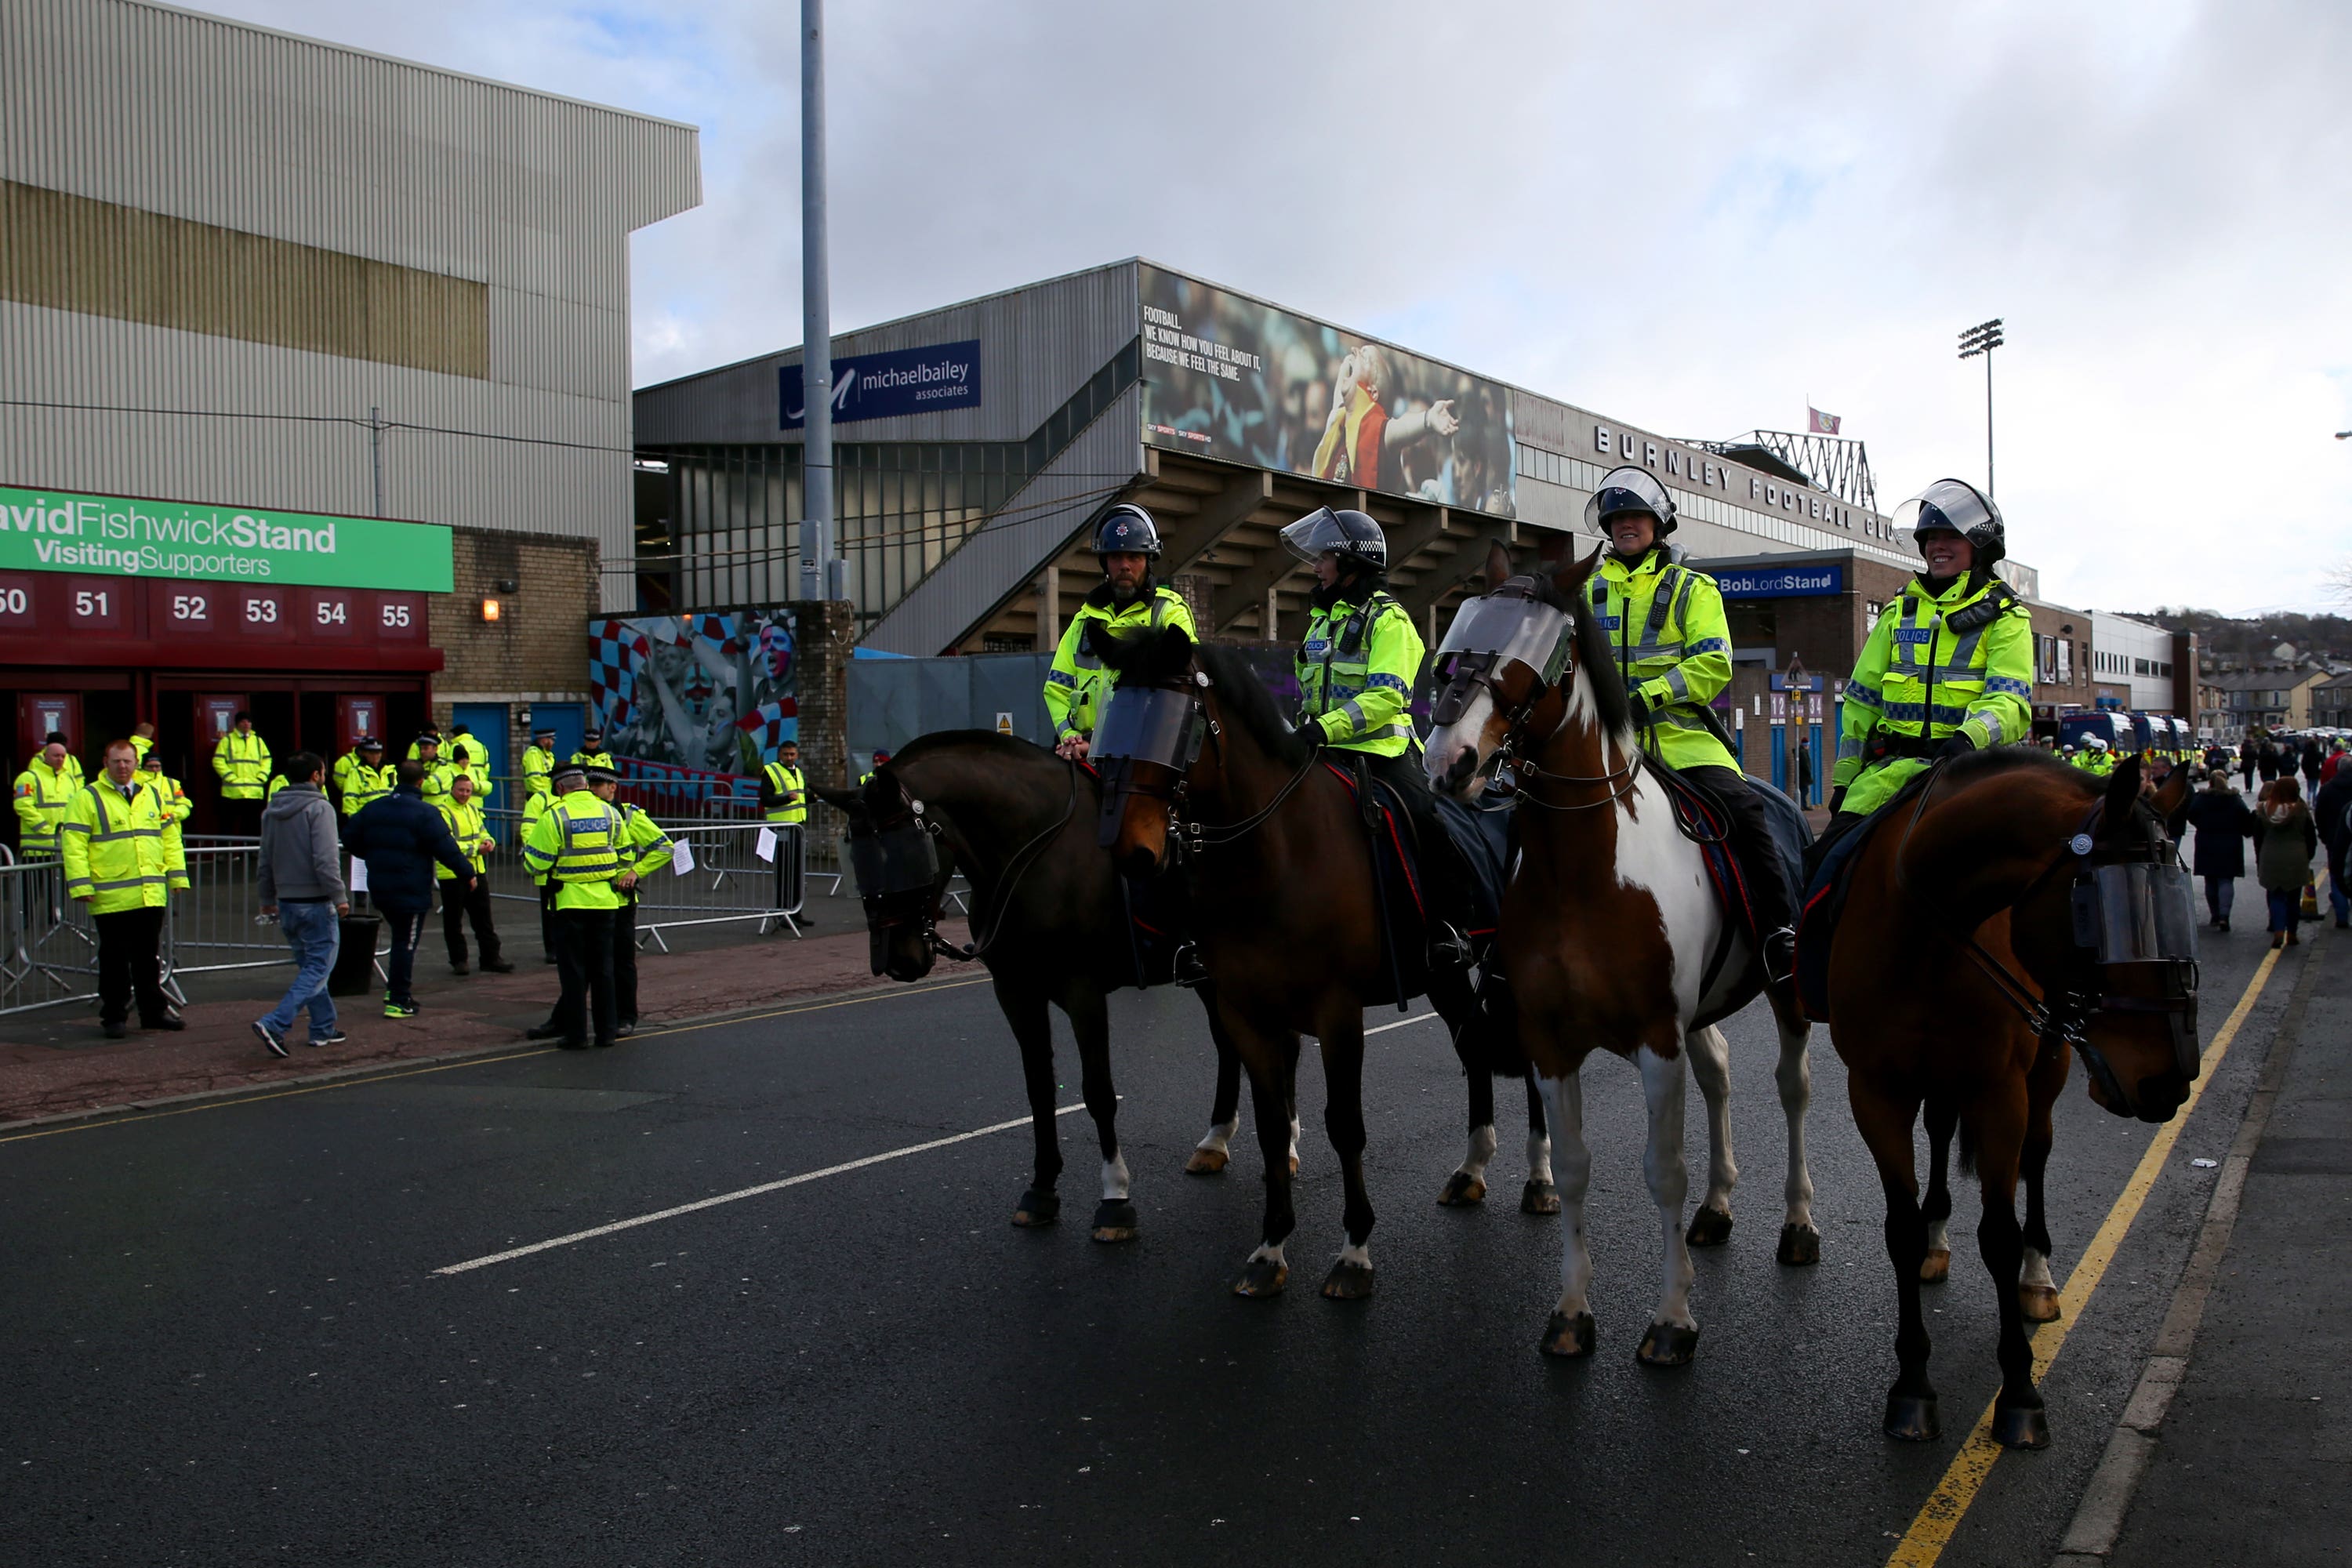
883, 386
1781, 582
121, 536
1228, 376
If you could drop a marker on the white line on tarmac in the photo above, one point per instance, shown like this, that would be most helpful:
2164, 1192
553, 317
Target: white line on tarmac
619, 1225
1400, 1023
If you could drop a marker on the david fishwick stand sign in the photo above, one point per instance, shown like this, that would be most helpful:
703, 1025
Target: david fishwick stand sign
49, 530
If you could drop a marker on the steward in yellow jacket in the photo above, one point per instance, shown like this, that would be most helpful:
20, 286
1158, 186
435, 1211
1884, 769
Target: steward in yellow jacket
121, 856
41, 793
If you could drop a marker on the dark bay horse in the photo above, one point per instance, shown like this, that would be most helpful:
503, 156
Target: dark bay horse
1612, 937
1285, 907
1047, 922
2013, 913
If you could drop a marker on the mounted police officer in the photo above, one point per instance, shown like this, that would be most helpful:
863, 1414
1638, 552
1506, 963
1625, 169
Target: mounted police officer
1673, 644
1126, 542
1356, 671
1949, 667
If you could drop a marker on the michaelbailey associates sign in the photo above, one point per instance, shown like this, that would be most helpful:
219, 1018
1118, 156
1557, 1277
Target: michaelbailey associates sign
54, 531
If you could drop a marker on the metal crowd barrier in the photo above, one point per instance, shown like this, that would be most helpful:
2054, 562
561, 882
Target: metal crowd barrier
51, 950
729, 880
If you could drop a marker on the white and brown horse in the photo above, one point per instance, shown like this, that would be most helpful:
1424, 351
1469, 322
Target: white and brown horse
1610, 927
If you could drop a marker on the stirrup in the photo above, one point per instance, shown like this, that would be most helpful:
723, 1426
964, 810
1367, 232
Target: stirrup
1779, 955
1187, 969
1448, 948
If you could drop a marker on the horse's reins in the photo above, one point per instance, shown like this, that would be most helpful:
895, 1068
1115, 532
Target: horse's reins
1017, 868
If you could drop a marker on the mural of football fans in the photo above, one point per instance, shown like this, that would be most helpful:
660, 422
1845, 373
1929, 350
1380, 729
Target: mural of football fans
707, 692
1229, 376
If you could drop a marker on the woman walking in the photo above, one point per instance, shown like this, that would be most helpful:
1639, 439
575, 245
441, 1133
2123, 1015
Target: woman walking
2284, 837
2223, 822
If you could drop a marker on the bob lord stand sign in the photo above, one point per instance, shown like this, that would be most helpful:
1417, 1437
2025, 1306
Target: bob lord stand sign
120, 536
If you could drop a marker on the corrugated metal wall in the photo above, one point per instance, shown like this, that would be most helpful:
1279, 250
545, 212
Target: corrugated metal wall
215, 122
1038, 344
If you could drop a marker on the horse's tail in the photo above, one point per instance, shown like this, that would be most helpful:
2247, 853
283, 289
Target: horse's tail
1967, 1148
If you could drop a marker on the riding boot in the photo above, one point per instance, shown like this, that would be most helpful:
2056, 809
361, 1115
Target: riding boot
1445, 881
1772, 902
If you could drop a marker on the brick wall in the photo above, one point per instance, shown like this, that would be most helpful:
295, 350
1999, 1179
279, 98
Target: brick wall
536, 651
825, 632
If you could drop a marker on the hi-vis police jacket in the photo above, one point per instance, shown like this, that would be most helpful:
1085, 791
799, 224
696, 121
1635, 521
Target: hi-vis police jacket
1356, 670
120, 852
1666, 624
1077, 684
1937, 665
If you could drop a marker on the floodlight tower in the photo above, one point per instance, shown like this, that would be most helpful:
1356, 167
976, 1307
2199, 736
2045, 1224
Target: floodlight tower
1982, 339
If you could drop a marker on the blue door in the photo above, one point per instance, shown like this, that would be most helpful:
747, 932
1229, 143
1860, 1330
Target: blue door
568, 721
1821, 772
1780, 756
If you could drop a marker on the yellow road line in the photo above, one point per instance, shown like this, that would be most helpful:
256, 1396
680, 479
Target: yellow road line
100, 1120
1941, 1515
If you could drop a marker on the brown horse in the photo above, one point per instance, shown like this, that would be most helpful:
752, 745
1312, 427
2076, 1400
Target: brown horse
1285, 905
2012, 911
1612, 936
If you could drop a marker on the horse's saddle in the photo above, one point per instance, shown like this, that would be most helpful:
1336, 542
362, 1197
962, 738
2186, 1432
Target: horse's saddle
1828, 876
1703, 820
1479, 844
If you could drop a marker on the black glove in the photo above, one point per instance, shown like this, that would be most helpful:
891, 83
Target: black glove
1837, 799
1639, 706
1959, 745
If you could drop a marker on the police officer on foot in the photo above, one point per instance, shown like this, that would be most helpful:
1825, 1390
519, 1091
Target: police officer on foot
1949, 667
1356, 671
1126, 542
576, 846
1666, 625
539, 761
592, 752
645, 850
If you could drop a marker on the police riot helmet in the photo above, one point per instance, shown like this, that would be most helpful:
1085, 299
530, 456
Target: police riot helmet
2096, 742
1629, 488
1127, 529
1956, 506
1352, 536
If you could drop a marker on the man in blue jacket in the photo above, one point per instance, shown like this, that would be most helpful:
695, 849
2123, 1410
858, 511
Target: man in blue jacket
400, 838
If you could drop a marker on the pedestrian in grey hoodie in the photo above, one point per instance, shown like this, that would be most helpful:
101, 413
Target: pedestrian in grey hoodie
301, 882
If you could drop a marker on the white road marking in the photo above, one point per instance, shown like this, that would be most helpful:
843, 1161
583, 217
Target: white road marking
1400, 1023
620, 1224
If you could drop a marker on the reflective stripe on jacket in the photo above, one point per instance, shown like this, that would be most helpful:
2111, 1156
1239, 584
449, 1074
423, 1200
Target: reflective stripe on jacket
1356, 670
465, 822
576, 844
644, 847
1673, 642
363, 786
1077, 685
242, 764
42, 793
1919, 679
782, 781
120, 854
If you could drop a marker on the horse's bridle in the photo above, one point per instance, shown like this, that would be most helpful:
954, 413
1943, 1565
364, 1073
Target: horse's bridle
2148, 916
900, 875
1463, 672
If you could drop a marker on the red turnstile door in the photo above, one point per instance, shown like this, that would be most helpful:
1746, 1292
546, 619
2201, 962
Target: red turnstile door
37, 713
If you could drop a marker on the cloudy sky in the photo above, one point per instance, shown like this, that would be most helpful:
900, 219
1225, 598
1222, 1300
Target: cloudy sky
1691, 216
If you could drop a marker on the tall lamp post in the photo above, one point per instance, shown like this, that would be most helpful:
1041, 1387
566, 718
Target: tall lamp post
1982, 339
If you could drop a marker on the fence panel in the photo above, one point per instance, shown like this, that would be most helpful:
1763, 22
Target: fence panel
51, 952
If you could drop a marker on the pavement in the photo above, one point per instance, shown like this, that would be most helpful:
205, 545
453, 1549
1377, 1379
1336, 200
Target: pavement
56, 1063
744, 1291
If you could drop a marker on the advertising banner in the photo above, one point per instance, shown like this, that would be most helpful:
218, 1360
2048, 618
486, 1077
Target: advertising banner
1228, 376
879, 387
1781, 582
54, 531
716, 692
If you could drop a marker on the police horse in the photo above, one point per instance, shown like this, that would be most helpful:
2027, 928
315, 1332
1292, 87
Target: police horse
1609, 930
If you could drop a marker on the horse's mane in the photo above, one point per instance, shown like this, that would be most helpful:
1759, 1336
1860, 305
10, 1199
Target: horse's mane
986, 740
1249, 704
1987, 762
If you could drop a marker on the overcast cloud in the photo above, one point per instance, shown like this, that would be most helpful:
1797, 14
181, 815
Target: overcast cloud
1691, 216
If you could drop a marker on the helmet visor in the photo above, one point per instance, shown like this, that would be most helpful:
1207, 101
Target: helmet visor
1627, 489
1947, 506
1315, 533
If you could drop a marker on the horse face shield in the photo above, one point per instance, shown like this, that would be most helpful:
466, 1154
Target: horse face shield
1148, 738
2135, 923
897, 869
1490, 636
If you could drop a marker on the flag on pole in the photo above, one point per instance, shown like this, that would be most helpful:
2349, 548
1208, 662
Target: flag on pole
1821, 424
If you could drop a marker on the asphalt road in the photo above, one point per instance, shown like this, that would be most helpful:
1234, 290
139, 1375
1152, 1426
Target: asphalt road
228, 1344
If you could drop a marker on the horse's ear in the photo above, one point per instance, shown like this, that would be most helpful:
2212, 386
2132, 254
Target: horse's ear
1570, 579
2175, 791
1498, 566
2122, 794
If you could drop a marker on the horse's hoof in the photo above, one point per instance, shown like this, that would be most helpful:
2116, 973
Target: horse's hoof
1801, 1247
1668, 1344
1347, 1281
1708, 1228
1462, 1189
1911, 1418
1262, 1277
1115, 1220
1206, 1161
2038, 1302
1539, 1197
1294, 1164
1936, 1267
1037, 1208
1567, 1336
2020, 1426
